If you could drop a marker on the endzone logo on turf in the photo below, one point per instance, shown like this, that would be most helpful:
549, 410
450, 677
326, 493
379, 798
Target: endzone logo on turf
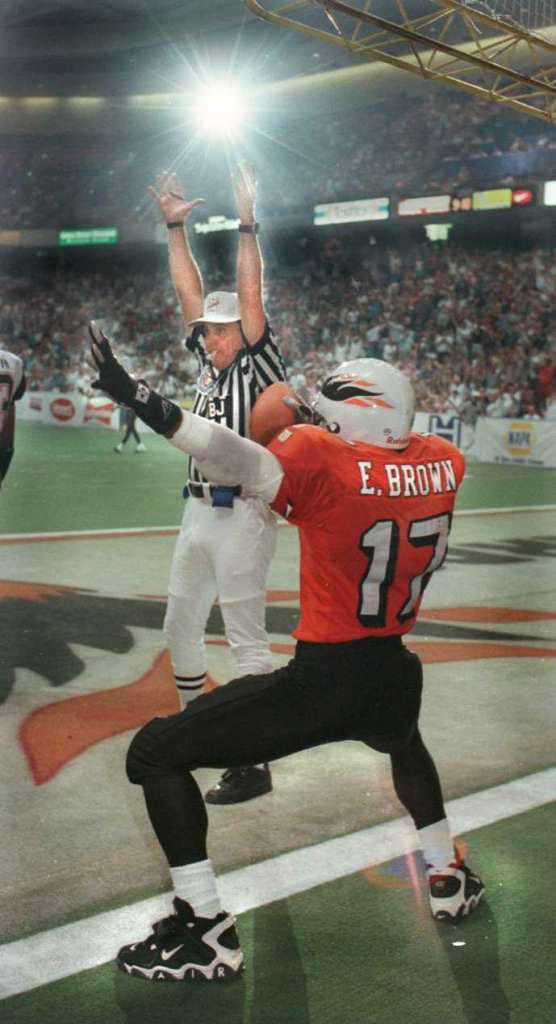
106, 622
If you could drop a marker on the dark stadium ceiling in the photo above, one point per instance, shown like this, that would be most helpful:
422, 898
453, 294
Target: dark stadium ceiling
80, 47
119, 47
148, 49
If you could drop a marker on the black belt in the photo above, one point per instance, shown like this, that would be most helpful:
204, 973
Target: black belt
222, 497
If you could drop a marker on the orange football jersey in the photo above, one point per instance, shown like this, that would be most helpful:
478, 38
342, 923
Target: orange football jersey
373, 526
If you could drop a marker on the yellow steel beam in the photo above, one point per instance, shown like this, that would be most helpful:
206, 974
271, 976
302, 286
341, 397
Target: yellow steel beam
422, 45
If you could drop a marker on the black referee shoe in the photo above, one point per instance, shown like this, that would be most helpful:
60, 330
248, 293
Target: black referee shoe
239, 784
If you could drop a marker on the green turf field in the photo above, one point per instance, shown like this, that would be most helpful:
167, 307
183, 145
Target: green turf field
361, 949
110, 491
357, 952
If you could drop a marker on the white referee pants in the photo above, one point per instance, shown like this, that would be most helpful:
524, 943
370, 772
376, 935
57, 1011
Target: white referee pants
224, 553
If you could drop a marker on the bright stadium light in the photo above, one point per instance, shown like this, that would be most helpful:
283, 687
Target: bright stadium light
220, 109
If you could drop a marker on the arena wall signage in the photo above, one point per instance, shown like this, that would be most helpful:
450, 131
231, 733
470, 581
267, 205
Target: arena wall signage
89, 236
350, 212
72, 409
62, 409
492, 199
438, 232
518, 442
216, 223
522, 196
502, 198
419, 206
461, 204
488, 199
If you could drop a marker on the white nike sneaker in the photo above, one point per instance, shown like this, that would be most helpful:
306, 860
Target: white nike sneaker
454, 891
183, 947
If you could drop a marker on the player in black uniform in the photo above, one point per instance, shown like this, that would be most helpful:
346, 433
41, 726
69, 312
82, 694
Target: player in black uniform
130, 419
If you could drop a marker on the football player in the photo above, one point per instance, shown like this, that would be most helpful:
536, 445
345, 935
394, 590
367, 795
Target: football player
12, 388
373, 502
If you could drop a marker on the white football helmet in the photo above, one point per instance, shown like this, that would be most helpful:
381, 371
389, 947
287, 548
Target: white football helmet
368, 400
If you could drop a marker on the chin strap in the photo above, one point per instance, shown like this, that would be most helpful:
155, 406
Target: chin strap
304, 410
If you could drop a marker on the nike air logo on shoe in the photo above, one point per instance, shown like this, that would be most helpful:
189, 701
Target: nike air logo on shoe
166, 954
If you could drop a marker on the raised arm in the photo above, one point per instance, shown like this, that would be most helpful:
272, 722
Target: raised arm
222, 455
185, 274
249, 259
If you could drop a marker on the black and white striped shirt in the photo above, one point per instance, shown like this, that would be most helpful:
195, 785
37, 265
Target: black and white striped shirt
228, 397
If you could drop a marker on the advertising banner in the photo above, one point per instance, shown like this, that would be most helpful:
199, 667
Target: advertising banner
218, 222
71, 409
442, 424
89, 236
492, 199
516, 442
421, 205
356, 210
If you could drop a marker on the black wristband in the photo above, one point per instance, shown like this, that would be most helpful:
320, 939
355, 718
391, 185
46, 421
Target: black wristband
174, 224
160, 414
249, 229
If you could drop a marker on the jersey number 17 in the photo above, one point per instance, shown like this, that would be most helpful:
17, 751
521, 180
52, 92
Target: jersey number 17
381, 546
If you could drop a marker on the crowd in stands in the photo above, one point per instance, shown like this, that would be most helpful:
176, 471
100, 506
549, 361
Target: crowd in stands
475, 328
410, 144
45, 322
435, 144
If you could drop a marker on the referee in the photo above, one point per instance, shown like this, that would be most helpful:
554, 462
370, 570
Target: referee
226, 541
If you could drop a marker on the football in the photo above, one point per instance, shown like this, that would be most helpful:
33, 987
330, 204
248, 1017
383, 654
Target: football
270, 414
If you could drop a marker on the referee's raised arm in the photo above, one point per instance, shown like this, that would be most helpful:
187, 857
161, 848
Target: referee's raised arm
185, 274
249, 258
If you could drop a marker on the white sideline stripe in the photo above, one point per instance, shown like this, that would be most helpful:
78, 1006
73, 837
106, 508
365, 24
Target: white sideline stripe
504, 511
82, 945
125, 531
138, 530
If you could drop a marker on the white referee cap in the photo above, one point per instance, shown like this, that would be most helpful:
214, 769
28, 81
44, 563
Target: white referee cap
219, 308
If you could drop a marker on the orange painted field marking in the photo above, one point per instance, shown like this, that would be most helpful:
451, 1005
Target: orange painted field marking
57, 733
474, 613
18, 590
434, 652
384, 879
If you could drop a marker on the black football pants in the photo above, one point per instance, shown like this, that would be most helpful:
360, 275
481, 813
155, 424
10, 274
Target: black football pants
369, 690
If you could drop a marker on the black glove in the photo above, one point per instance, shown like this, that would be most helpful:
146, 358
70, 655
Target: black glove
161, 415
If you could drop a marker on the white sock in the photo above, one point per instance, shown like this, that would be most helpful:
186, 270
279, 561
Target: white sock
437, 844
196, 883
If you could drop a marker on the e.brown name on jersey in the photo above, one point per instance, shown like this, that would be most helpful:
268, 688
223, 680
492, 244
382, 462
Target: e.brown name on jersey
409, 480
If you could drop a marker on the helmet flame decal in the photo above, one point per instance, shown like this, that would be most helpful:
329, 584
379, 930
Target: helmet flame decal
353, 391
